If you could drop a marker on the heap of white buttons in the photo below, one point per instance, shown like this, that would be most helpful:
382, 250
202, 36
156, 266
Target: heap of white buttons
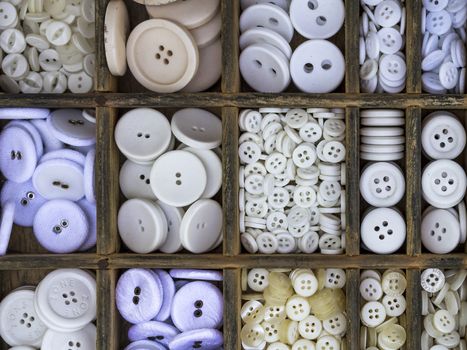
179, 49
383, 311
444, 24
57, 314
48, 45
444, 223
159, 182
382, 39
48, 159
291, 180
444, 305
299, 309
382, 183
267, 63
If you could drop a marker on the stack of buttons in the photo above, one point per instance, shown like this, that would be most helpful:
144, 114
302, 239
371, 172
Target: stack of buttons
444, 307
169, 191
267, 63
382, 29
179, 49
444, 24
383, 311
382, 183
179, 310
299, 309
444, 223
292, 175
48, 159
49, 46
57, 314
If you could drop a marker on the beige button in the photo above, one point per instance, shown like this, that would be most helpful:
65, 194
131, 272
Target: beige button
162, 55
189, 13
208, 33
154, 2
116, 28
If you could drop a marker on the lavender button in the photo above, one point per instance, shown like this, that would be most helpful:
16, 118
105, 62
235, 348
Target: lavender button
64, 153
145, 345
24, 113
33, 132
51, 143
153, 330
191, 274
205, 339
168, 288
90, 211
197, 305
6, 226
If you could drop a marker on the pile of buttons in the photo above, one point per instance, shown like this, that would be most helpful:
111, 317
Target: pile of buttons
57, 314
267, 63
292, 175
182, 309
382, 183
444, 223
300, 308
169, 191
383, 311
178, 49
382, 29
444, 305
48, 45
444, 24
47, 159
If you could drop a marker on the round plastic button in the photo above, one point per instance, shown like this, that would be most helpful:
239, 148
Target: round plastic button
432, 280
440, 231
84, 338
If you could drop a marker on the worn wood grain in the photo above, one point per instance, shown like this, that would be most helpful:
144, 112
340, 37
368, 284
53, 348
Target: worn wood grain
107, 313
230, 47
232, 306
352, 64
413, 46
353, 308
414, 308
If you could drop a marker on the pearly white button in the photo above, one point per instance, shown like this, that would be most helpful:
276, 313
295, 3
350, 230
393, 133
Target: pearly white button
15, 66
58, 33
12, 41
440, 231
80, 83
9, 16
49, 60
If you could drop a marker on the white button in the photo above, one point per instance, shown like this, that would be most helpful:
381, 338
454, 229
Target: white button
9, 16
305, 284
440, 231
432, 280
317, 66
373, 314
394, 282
284, 4
252, 312
438, 23
12, 41
328, 342
443, 183
267, 243
319, 19
335, 278
258, 279
297, 308
444, 321
269, 16
135, 180
31, 83
55, 82
370, 289
58, 33
265, 35
336, 325
80, 83
395, 305
86, 338
383, 230
208, 33
390, 40
15, 66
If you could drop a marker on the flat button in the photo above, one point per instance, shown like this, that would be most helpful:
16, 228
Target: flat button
20, 323
163, 332
138, 295
310, 327
90, 211
258, 279
373, 314
12, 41
65, 299
191, 13
317, 19
198, 339
142, 134
58, 33
252, 312
54, 82
201, 226
206, 34
145, 345
135, 180
85, 338
440, 231
69, 126
15, 66
432, 280
173, 60
9, 16
174, 219
394, 283
197, 128
80, 83
142, 225
262, 35
6, 226
197, 305
49, 60
370, 289
61, 226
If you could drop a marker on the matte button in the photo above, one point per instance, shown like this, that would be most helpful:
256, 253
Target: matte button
162, 332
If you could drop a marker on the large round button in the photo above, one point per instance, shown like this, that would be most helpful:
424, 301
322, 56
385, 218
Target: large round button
81, 339
162, 55
440, 231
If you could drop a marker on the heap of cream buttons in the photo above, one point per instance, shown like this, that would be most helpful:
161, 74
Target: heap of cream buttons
299, 309
169, 190
444, 307
382, 40
444, 24
444, 222
383, 310
178, 49
57, 314
48, 46
267, 63
292, 178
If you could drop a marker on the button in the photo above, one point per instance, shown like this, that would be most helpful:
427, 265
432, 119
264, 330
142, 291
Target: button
444, 321
201, 226
317, 19
20, 323
65, 300
162, 332
90, 211
148, 220
328, 342
395, 305
388, 13
393, 337
135, 181
209, 32
336, 325
58, 33
370, 289
264, 35
440, 231
54, 82
317, 73
198, 339
197, 305
297, 308
197, 128
115, 34
145, 345
174, 218
65, 153
443, 136
139, 295
12, 41
373, 314
394, 283
432, 280
85, 338
310, 327
382, 184
252, 312
69, 126
80, 83
267, 16
19, 156
15, 66
335, 278
89, 176
6, 225
193, 274
258, 279
265, 68
443, 183
61, 226
173, 62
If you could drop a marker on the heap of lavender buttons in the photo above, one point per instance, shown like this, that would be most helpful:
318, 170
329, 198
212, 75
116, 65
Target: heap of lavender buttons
179, 309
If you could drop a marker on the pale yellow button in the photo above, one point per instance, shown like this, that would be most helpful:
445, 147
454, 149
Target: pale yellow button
116, 28
297, 308
310, 327
305, 283
252, 312
393, 337
271, 331
288, 332
252, 335
303, 344
394, 283
274, 313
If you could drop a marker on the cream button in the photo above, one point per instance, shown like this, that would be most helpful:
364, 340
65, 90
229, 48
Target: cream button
9, 16
15, 66
208, 33
172, 61
80, 83
49, 60
58, 33
12, 41
115, 33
